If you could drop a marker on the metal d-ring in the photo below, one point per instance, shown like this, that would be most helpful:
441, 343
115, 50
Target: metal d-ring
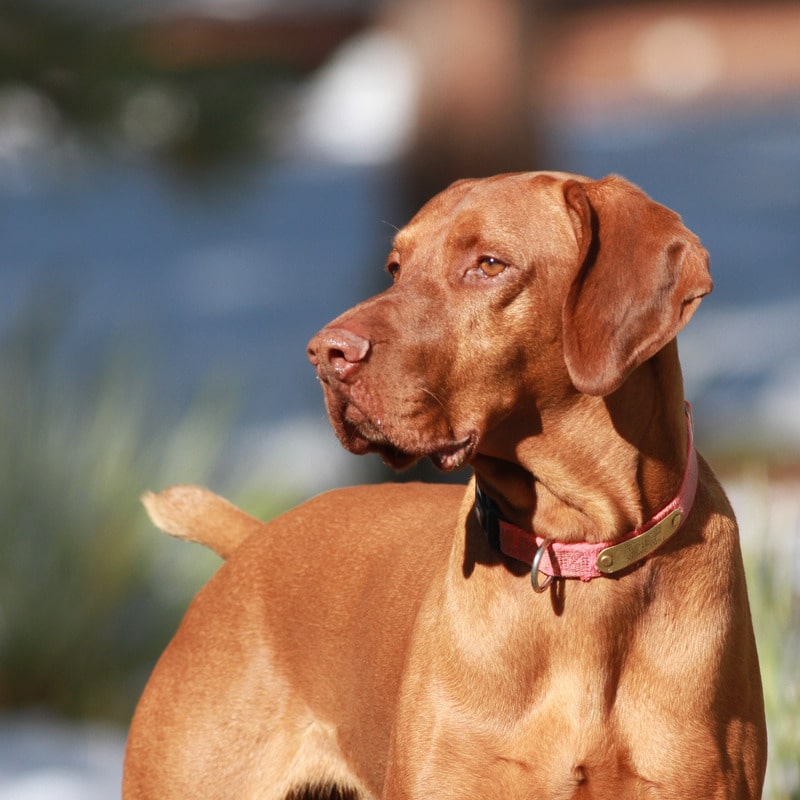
540, 587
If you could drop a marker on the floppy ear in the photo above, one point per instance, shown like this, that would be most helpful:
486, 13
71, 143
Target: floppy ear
641, 276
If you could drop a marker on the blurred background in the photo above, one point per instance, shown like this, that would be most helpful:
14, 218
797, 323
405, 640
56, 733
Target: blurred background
189, 189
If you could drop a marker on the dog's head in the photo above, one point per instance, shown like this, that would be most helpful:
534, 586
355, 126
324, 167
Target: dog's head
508, 294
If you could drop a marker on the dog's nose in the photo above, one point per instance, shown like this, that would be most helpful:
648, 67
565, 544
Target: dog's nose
336, 352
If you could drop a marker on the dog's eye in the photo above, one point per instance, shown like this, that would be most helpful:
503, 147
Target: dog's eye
490, 266
393, 268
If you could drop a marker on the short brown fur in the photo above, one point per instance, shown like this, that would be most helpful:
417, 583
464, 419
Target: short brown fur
372, 640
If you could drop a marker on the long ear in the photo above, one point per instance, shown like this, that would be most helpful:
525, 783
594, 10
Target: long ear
642, 274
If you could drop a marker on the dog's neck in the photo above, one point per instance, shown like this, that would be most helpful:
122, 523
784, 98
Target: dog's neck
549, 481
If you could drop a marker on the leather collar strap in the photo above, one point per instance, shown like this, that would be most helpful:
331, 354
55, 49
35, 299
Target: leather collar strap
582, 559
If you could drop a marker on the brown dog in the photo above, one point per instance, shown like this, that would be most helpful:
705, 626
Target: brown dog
386, 641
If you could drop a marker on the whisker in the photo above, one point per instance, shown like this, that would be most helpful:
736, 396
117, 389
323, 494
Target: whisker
434, 396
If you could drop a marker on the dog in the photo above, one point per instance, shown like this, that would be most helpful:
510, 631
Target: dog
572, 624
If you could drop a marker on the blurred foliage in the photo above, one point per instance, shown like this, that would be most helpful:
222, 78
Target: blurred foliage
90, 593
103, 77
775, 604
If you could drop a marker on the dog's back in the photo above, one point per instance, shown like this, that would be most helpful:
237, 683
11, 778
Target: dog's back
310, 595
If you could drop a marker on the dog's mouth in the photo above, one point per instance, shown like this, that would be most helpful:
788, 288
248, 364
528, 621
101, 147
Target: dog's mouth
447, 458
363, 436
455, 455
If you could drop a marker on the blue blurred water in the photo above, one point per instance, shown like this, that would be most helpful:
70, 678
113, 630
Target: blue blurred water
235, 274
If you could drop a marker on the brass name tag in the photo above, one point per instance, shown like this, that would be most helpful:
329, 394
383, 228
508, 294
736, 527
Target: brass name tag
618, 556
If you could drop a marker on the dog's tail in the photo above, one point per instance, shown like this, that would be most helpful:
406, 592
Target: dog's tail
198, 515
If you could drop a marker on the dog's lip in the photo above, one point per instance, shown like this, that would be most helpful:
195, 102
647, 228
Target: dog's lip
454, 455
446, 456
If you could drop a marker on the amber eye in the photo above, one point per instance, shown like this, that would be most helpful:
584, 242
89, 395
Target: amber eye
393, 268
490, 266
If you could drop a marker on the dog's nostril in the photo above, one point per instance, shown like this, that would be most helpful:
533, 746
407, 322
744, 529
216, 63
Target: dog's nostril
338, 362
338, 351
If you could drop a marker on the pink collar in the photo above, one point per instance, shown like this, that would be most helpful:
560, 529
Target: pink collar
581, 559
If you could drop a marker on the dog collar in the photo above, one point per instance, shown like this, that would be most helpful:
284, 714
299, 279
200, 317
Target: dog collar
581, 559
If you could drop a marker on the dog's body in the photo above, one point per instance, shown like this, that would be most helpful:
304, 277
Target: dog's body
375, 641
